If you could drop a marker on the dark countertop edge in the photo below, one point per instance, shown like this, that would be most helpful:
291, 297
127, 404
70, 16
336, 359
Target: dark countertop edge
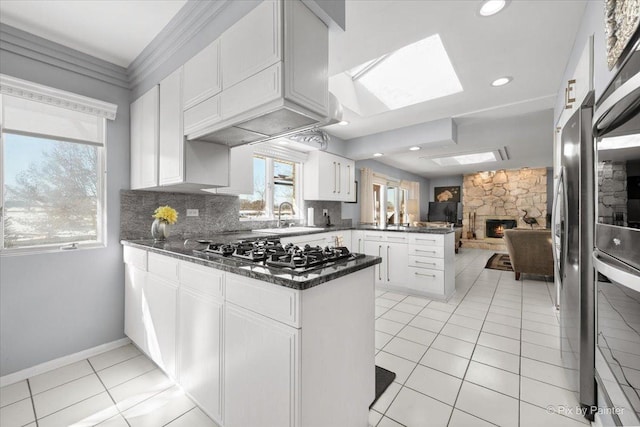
293, 282
425, 230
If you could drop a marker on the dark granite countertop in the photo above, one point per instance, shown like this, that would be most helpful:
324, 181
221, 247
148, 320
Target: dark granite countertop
177, 249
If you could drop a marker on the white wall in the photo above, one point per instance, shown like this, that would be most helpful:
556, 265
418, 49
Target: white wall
56, 304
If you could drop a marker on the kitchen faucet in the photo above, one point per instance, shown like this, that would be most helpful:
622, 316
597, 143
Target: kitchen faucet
280, 212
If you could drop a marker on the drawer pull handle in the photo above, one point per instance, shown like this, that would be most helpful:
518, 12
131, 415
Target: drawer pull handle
425, 275
426, 240
429, 252
427, 263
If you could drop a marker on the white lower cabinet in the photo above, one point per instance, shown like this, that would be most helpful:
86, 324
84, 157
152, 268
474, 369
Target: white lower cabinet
376, 249
134, 279
200, 349
159, 301
236, 344
419, 263
261, 367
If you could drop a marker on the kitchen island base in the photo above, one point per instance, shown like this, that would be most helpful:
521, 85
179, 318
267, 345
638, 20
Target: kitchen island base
263, 354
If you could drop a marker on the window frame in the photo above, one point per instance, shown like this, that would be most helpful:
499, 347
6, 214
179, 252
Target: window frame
270, 208
101, 189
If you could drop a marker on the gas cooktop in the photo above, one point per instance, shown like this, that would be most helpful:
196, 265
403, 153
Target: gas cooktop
288, 258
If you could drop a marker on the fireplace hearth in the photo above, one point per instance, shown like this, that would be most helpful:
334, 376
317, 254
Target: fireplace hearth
495, 227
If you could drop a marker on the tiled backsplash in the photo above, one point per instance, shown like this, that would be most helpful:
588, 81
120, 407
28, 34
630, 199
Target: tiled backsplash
217, 213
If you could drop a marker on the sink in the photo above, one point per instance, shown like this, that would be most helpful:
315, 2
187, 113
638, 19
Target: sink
287, 230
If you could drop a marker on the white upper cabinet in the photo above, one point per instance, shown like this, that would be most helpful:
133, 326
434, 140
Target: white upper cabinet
144, 140
202, 77
171, 162
160, 156
274, 75
329, 177
252, 44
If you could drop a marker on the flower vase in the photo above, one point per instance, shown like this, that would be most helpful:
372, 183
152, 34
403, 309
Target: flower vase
159, 230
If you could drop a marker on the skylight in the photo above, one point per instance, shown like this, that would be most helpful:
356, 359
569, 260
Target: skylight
415, 73
466, 159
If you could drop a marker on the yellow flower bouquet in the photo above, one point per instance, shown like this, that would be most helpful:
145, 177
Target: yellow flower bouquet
166, 214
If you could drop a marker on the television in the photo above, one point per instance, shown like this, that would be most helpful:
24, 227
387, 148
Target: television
443, 211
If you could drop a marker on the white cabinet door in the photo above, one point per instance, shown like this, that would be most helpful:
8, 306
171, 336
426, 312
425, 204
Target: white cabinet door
202, 77
347, 181
133, 305
329, 177
396, 263
261, 366
159, 299
378, 249
144, 140
252, 44
200, 350
357, 242
321, 176
171, 161
240, 171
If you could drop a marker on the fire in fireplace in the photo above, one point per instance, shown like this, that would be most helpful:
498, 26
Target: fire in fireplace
495, 227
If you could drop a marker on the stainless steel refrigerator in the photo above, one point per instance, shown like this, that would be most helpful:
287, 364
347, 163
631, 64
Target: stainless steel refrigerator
573, 230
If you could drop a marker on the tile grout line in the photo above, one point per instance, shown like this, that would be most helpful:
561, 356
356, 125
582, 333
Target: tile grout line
115, 405
33, 405
472, 351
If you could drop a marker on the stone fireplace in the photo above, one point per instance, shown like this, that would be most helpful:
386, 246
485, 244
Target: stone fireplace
495, 227
502, 195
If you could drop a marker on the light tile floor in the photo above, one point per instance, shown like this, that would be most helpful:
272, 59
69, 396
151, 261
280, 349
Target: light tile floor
118, 388
488, 356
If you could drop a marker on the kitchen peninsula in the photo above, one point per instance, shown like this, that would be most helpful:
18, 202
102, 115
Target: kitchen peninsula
258, 345
254, 345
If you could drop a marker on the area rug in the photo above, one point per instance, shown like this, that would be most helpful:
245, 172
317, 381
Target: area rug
384, 378
499, 262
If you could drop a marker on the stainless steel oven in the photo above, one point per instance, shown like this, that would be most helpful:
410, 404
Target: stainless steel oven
618, 340
617, 132
617, 245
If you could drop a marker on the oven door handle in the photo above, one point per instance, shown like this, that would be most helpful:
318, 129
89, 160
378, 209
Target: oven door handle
622, 100
616, 271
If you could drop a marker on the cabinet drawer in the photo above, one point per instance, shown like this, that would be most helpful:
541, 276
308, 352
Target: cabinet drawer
164, 267
426, 251
274, 301
395, 237
204, 280
135, 257
425, 239
373, 236
425, 280
426, 262
202, 115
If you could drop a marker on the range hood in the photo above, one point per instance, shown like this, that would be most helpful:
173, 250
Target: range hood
271, 121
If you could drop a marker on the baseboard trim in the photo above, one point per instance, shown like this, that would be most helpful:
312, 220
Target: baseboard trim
60, 362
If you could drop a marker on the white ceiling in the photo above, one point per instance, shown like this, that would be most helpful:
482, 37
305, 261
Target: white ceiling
529, 40
113, 30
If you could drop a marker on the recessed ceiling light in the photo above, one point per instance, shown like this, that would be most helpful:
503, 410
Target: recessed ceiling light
343, 123
412, 74
501, 81
377, 154
414, 148
491, 7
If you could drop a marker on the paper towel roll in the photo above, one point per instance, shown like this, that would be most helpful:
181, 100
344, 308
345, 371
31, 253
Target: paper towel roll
310, 222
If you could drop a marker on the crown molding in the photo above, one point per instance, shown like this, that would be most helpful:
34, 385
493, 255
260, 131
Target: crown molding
59, 98
190, 20
39, 49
